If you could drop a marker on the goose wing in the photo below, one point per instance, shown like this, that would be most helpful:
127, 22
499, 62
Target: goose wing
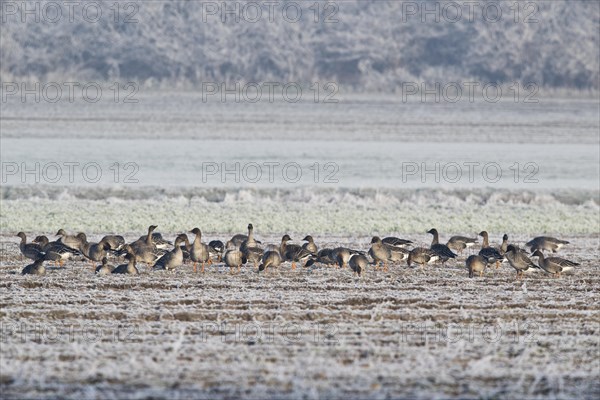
491, 255
442, 250
394, 241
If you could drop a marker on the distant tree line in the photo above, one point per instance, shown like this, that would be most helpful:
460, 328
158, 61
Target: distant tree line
366, 45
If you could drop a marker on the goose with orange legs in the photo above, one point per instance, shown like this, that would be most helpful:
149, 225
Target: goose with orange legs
554, 265
199, 252
293, 252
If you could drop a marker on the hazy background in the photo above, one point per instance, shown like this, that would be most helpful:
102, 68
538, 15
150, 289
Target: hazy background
541, 133
363, 45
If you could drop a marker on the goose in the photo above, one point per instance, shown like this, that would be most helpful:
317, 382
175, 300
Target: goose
129, 268
199, 252
293, 252
441, 250
250, 249
174, 258
216, 247
144, 250
491, 254
310, 245
73, 242
233, 257
324, 256
383, 253
546, 243
37, 268
253, 255
341, 255
148, 254
240, 238
270, 258
554, 265
93, 251
421, 256
459, 243
32, 251
104, 268
116, 242
147, 238
394, 241
476, 263
358, 263
62, 251
518, 260
155, 238
249, 241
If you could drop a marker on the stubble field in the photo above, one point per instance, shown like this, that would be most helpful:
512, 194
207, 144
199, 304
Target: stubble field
310, 333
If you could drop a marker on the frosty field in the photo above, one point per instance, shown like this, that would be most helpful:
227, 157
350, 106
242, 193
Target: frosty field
341, 120
317, 332
310, 333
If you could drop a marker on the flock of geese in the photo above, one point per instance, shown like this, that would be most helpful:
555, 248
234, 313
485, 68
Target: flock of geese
153, 250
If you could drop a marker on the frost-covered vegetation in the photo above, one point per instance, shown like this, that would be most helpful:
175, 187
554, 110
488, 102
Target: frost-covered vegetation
373, 46
310, 333
341, 212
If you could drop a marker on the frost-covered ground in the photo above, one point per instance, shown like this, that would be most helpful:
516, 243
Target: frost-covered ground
304, 210
309, 333
186, 115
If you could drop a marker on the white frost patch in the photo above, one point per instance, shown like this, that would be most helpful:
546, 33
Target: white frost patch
311, 210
